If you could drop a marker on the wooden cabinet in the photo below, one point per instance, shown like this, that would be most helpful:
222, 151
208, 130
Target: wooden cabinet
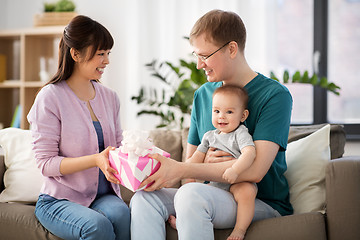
27, 52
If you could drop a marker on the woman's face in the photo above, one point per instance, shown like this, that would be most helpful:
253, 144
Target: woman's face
215, 65
93, 68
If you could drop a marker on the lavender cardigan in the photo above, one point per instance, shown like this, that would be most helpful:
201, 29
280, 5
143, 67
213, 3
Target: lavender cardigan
61, 127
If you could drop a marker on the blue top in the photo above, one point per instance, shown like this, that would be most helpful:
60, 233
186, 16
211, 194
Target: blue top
104, 185
270, 105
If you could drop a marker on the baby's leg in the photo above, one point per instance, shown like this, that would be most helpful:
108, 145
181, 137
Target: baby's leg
172, 221
244, 194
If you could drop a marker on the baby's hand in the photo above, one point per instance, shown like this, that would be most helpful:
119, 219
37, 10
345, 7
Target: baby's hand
230, 175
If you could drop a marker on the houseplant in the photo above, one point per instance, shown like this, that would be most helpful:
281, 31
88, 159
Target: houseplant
314, 80
173, 102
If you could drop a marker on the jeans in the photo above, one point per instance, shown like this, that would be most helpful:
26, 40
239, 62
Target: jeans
108, 217
199, 209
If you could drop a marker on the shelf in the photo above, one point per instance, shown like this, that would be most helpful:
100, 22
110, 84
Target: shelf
34, 84
44, 31
27, 52
10, 84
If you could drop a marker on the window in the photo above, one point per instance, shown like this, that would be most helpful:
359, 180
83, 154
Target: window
344, 61
294, 44
332, 29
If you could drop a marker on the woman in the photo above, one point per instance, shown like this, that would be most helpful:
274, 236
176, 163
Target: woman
75, 121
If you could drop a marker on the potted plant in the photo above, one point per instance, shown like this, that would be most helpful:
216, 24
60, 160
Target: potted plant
173, 102
314, 80
56, 13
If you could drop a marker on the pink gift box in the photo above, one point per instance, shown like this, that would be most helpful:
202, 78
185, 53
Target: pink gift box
132, 171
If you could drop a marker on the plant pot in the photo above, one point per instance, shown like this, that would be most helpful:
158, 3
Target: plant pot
53, 18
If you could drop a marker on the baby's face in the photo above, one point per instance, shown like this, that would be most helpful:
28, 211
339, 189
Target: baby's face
227, 112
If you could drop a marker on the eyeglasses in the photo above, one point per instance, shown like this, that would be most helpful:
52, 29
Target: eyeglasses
204, 58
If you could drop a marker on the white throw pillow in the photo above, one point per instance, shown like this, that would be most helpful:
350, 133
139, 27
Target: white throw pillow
306, 160
22, 179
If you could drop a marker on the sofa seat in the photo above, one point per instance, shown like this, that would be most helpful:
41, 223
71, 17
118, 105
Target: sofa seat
339, 220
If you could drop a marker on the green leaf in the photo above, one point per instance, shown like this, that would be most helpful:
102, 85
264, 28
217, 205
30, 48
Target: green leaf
296, 77
323, 82
272, 76
314, 80
305, 77
286, 76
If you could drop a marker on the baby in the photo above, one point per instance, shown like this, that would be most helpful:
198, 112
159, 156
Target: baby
228, 114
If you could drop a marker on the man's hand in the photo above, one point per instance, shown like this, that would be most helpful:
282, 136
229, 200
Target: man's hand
168, 174
214, 156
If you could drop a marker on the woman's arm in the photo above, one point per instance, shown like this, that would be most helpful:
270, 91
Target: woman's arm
73, 165
193, 156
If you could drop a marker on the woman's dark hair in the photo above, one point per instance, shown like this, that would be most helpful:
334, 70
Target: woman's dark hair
81, 33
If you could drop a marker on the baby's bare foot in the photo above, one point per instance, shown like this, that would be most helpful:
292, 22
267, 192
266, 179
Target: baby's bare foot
237, 234
172, 221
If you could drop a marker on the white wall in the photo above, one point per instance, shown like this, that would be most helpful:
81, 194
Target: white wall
145, 30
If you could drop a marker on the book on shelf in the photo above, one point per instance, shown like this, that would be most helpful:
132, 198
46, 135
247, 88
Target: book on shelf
16, 117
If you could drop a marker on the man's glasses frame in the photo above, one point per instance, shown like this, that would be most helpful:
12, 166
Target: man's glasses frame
204, 58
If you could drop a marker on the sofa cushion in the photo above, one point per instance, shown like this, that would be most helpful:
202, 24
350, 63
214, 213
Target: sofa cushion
337, 136
22, 179
307, 159
309, 226
18, 221
2, 171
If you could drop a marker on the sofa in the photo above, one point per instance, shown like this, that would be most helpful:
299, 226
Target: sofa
331, 211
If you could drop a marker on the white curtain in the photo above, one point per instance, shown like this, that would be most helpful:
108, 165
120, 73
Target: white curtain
154, 29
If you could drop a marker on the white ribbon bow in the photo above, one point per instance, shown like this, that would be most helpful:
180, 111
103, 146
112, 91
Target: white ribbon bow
136, 143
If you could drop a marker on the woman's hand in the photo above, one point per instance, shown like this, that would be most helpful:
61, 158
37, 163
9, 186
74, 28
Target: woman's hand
214, 156
168, 174
102, 161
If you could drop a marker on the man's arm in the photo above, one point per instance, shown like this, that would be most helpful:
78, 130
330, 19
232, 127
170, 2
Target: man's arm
190, 149
172, 171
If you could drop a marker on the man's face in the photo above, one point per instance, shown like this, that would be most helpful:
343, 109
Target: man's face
214, 66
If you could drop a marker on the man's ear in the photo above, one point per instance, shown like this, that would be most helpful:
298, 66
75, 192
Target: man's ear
75, 54
234, 48
244, 115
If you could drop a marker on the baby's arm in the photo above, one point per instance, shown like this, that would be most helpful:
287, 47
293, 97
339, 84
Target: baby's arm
245, 160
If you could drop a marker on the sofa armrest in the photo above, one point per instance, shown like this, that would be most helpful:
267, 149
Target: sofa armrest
343, 198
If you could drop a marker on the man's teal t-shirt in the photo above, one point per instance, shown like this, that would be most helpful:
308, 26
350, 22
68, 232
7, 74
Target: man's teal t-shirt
270, 105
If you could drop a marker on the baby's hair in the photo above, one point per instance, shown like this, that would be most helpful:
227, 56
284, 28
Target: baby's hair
236, 90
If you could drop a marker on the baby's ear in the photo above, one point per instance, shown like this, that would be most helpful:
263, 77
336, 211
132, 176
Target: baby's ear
244, 115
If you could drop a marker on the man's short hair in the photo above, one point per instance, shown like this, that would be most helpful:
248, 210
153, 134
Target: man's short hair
220, 27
